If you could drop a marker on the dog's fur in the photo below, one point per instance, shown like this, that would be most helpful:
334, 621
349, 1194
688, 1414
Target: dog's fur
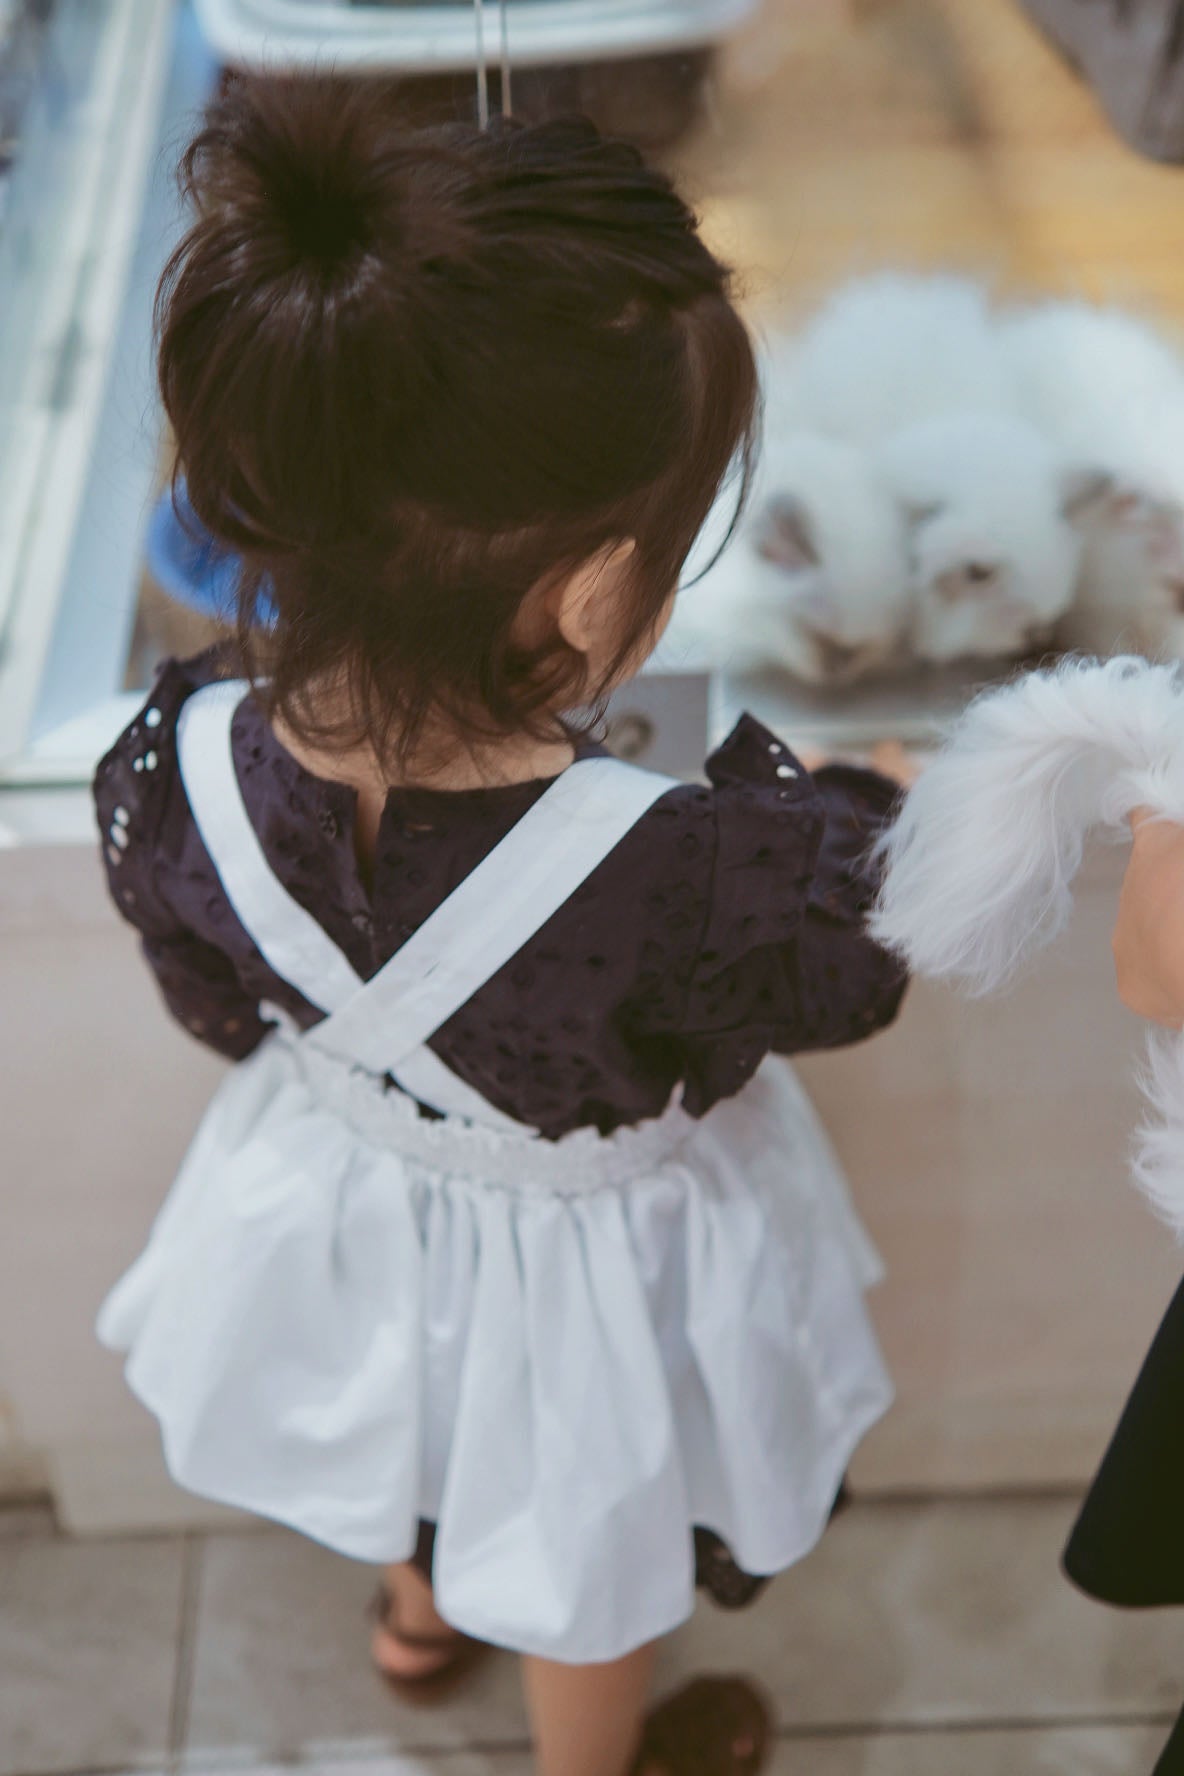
906, 509
1104, 387
943, 482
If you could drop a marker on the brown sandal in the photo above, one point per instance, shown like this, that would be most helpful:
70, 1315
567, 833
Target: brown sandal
716, 1726
457, 1653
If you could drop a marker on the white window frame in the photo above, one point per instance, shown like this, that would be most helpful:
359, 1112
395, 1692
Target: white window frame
64, 388
423, 38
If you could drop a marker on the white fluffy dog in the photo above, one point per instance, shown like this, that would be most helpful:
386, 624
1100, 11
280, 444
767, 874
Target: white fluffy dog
996, 534
817, 580
908, 507
1104, 387
980, 863
906, 372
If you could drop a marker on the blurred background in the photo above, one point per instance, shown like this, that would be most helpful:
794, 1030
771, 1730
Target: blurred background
958, 227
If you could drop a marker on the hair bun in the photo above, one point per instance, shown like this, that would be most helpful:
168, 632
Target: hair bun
296, 160
323, 213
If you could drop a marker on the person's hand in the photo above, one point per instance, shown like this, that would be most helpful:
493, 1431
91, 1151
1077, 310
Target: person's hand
889, 758
1148, 940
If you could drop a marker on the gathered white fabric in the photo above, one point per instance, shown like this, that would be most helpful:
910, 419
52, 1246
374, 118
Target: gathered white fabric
353, 1318
350, 1320
979, 866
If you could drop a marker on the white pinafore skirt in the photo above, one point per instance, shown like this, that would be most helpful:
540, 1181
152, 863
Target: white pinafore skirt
352, 1318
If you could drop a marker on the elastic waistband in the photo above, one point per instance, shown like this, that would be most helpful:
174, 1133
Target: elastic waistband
577, 1164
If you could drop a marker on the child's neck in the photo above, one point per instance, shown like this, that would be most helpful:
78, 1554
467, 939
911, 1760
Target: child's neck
515, 761
511, 761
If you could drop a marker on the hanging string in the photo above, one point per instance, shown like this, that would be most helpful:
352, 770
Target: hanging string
482, 65
503, 12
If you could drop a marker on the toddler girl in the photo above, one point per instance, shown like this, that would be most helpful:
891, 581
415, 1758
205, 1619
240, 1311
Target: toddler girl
504, 1258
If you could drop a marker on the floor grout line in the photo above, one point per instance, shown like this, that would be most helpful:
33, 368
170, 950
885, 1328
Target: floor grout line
177, 1757
968, 1726
1053, 1492
191, 1576
304, 1759
367, 1752
964, 1727
871, 1499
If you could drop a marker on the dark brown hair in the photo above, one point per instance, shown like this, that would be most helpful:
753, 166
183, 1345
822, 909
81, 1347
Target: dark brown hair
413, 372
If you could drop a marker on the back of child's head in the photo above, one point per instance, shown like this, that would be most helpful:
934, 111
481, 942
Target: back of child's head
413, 374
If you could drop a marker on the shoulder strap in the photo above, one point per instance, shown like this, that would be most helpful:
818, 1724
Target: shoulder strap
291, 940
499, 906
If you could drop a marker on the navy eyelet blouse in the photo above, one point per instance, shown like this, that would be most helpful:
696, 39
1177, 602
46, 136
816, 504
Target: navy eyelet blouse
728, 923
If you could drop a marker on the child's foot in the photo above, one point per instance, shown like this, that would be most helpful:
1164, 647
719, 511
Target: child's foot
716, 1726
415, 1656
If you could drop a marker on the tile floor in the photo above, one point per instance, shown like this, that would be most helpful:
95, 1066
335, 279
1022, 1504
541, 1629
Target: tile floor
926, 1638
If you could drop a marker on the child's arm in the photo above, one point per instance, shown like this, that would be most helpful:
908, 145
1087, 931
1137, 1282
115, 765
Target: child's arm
774, 911
1148, 937
203, 993
198, 982
846, 986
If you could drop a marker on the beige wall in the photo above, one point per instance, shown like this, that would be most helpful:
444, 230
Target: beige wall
985, 1145
988, 1143
98, 1094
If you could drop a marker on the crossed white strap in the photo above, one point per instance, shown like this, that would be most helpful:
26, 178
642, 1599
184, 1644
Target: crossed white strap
384, 1024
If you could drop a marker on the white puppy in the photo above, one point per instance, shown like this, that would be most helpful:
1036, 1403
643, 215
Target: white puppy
996, 533
1105, 388
907, 371
915, 502
817, 580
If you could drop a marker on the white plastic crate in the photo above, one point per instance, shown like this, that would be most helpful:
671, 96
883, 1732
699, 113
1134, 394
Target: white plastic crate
417, 38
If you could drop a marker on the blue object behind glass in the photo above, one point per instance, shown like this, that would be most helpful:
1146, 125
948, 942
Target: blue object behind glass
188, 564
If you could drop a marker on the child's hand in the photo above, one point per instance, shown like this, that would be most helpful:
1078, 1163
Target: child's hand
1148, 939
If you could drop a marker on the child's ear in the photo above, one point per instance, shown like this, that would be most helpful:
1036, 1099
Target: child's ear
588, 606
